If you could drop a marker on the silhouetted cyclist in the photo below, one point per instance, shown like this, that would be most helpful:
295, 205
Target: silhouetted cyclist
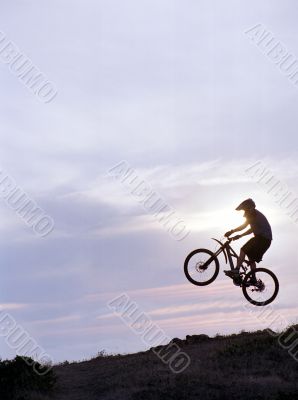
256, 247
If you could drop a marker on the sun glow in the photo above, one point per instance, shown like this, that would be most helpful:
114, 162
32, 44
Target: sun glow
226, 219
223, 220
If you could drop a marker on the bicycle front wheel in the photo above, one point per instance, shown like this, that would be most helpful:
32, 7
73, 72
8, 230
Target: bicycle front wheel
195, 269
262, 291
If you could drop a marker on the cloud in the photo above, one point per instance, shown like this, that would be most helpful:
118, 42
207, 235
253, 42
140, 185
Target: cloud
12, 306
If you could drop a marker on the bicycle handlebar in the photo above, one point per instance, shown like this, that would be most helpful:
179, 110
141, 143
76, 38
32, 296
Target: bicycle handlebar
231, 239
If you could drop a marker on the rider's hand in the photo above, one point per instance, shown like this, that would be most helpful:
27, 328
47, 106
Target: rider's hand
229, 233
237, 237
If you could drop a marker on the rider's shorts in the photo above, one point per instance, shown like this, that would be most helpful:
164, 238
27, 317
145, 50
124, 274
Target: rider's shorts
256, 247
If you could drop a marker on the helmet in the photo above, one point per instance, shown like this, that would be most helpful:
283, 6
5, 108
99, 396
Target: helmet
246, 205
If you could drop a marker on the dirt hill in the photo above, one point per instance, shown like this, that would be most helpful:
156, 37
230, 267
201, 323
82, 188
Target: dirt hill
244, 366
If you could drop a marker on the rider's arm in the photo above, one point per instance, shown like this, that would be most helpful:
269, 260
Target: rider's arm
240, 228
248, 232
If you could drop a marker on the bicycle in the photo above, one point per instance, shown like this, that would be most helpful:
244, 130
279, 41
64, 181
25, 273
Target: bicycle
201, 268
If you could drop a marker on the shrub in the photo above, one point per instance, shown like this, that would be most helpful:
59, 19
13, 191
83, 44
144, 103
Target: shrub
18, 378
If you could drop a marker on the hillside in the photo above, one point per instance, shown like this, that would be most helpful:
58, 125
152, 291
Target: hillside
248, 366
244, 366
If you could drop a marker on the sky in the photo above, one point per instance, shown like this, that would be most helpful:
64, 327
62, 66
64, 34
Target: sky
178, 91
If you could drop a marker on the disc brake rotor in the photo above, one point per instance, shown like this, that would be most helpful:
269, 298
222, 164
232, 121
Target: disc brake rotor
261, 286
200, 266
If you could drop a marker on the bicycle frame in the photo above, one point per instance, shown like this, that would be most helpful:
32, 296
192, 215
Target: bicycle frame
229, 254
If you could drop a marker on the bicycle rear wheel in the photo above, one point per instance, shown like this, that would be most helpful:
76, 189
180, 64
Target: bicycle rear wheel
264, 290
195, 269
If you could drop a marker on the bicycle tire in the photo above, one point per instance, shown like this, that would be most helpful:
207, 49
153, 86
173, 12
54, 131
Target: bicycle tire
186, 265
245, 287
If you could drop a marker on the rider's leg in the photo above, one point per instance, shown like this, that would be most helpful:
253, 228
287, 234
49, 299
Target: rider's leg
240, 259
253, 265
235, 272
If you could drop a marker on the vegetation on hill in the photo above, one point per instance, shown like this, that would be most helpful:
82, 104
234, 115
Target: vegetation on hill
24, 379
246, 366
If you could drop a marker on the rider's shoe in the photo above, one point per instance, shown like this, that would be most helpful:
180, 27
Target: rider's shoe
232, 273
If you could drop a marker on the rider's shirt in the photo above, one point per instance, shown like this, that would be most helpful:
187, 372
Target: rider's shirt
259, 224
